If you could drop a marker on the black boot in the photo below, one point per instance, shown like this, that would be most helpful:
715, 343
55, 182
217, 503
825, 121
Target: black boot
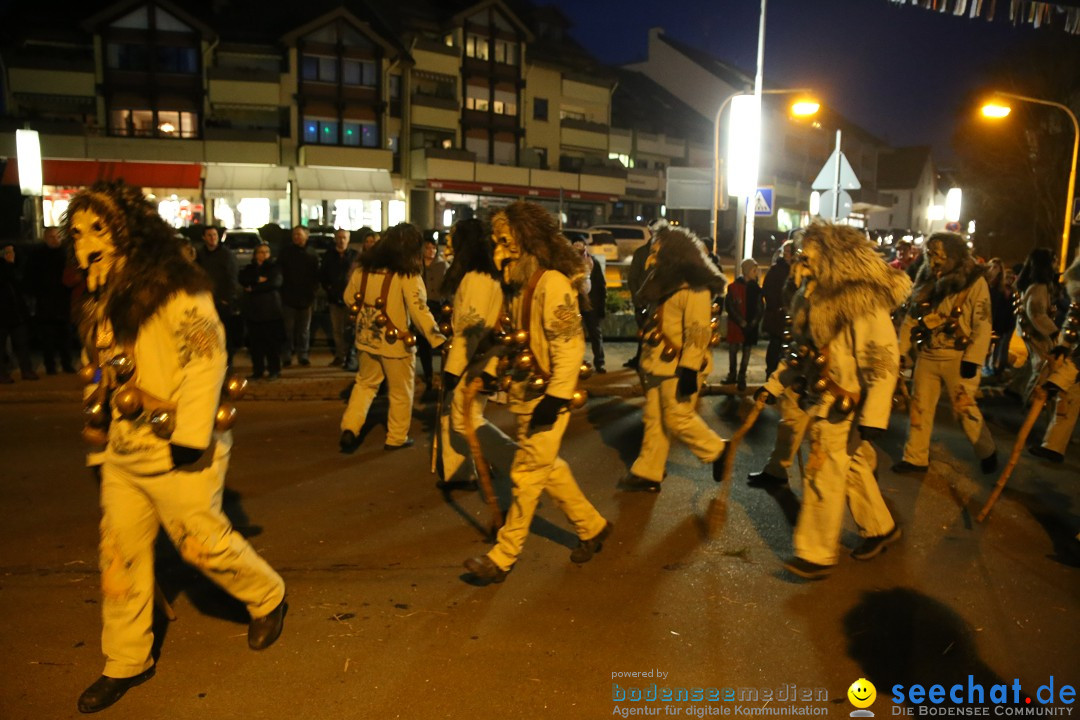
106, 690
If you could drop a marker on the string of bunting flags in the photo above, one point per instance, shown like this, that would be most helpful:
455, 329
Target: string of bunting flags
1037, 14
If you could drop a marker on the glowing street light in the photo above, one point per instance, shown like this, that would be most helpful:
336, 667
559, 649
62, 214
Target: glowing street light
747, 142
997, 110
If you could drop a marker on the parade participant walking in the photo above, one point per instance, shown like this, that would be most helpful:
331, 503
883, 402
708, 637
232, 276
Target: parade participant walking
948, 322
473, 282
1035, 313
387, 291
299, 279
261, 281
772, 291
845, 367
157, 351
744, 307
219, 262
676, 356
1063, 381
335, 269
537, 265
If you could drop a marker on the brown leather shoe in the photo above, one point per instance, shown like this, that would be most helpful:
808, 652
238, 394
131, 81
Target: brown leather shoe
262, 632
106, 690
483, 569
587, 548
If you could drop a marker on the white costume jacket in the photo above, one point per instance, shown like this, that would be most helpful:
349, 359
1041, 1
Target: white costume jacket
684, 322
406, 300
477, 305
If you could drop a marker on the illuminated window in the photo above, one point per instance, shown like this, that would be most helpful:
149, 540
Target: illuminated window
476, 47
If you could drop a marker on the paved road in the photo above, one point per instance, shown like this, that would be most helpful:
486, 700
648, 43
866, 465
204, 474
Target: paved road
381, 624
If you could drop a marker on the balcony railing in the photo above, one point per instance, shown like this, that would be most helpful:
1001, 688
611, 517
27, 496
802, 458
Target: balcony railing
576, 124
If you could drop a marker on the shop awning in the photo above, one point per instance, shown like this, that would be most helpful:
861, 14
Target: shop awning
240, 181
80, 173
320, 183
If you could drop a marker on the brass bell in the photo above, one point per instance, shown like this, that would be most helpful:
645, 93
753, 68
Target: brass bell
96, 412
654, 338
714, 339
447, 310
124, 367
524, 361
577, 400
794, 361
950, 327
235, 387
668, 353
391, 335
446, 329
502, 365
1075, 306
382, 319
163, 423
787, 318
843, 404
585, 371
821, 361
128, 401
521, 338
799, 384
408, 340
505, 321
821, 385
87, 373
640, 334
379, 303
787, 336
714, 323
802, 351
504, 382
538, 383
1069, 335
964, 342
94, 436
354, 310
225, 417
716, 308
506, 339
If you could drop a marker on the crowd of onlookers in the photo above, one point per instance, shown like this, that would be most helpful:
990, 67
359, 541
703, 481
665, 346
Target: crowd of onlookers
270, 304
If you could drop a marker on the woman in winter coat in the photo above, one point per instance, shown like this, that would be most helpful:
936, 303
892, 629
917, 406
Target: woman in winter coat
261, 281
745, 306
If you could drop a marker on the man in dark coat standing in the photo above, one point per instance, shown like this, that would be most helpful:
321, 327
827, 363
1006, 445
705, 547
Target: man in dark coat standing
52, 301
300, 278
772, 289
220, 264
334, 271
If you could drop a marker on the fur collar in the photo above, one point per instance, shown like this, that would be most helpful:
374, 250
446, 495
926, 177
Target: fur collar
832, 308
934, 290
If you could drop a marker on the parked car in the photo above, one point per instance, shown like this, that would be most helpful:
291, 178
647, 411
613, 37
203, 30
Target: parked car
600, 242
628, 238
242, 243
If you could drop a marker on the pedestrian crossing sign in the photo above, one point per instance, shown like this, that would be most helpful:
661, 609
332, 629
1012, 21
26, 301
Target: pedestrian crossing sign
763, 202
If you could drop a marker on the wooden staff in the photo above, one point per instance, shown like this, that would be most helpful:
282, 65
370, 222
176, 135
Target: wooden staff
1038, 400
438, 430
483, 470
718, 509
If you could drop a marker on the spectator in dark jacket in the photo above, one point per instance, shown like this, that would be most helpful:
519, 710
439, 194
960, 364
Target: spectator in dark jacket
299, 280
592, 303
334, 271
220, 264
14, 316
1002, 316
772, 289
52, 301
745, 308
261, 281
634, 280
433, 272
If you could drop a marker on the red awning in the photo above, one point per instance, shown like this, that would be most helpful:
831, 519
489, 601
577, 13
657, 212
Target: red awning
80, 173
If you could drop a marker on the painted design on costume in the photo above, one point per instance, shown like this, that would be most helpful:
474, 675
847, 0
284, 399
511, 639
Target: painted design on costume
565, 323
116, 581
198, 336
697, 334
473, 327
962, 402
982, 311
367, 332
195, 550
878, 362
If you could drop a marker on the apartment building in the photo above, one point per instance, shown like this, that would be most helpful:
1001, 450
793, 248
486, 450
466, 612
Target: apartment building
363, 113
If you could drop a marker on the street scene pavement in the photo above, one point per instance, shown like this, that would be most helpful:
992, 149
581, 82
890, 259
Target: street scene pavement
382, 623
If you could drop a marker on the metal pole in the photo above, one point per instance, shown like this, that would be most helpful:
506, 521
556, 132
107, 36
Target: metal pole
748, 237
836, 183
1071, 191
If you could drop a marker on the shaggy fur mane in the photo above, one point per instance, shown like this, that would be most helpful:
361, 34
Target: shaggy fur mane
398, 251
538, 236
933, 290
150, 267
853, 281
682, 261
473, 252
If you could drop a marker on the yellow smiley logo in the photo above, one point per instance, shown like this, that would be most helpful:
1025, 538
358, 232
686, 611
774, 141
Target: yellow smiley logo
862, 693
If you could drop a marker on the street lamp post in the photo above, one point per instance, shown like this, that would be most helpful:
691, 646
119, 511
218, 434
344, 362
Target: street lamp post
719, 197
996, 110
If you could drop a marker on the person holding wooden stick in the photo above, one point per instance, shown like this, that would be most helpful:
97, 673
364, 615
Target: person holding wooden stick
843, 363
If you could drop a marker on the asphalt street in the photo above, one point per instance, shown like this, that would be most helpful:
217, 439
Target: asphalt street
382, 623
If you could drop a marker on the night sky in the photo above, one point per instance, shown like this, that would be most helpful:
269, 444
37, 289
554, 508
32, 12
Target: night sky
901, 72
